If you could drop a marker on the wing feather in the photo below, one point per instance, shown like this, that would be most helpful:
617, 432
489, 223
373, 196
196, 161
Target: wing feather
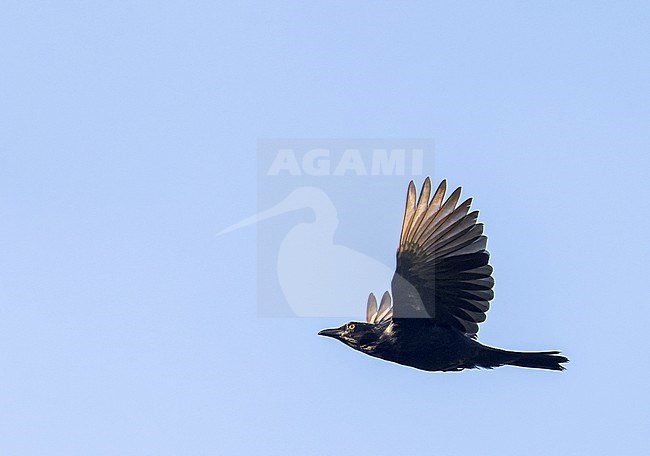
371, 308
442, 263
384, 312
385, 308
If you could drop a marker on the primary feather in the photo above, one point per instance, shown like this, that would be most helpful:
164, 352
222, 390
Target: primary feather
442, 263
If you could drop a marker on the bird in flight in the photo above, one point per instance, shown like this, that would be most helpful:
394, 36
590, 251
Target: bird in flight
441, 291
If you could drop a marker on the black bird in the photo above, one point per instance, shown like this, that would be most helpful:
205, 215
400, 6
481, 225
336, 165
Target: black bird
441, 289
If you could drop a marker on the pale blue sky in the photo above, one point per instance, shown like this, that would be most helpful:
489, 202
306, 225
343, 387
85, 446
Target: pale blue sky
127, 140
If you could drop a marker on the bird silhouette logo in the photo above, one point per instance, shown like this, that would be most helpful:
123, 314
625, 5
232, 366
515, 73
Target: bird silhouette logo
318, 277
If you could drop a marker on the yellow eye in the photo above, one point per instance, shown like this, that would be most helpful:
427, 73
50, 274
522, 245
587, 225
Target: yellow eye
351, 327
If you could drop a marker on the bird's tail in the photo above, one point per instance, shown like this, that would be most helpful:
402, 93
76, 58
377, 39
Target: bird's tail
551, 360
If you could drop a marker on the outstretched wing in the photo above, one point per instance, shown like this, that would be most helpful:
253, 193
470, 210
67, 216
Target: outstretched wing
442, 262
384, 312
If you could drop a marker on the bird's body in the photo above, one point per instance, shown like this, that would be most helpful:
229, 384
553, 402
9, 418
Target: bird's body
441, 291
422, 344
417, 343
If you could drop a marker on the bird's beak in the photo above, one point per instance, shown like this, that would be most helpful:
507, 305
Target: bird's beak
335, 333
287, 205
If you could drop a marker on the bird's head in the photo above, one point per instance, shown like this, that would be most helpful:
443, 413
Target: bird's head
354, 334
